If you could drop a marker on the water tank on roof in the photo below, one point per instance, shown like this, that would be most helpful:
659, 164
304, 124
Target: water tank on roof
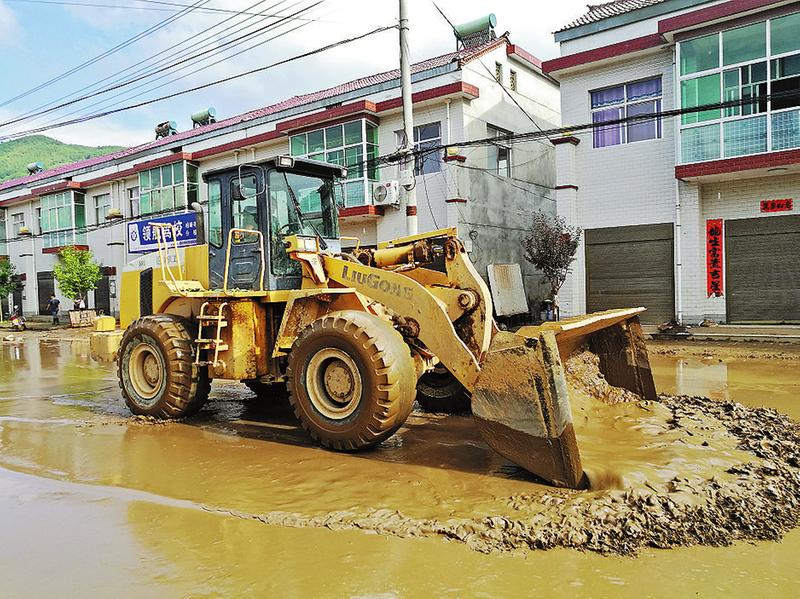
166, 129
204, 117
483, 24
35, 167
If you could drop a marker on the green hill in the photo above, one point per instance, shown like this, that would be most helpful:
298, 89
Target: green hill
17, 154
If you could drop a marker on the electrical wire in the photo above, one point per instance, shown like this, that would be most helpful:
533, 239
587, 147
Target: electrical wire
109, 52
185, 60
176, 6
203, 86
192, 39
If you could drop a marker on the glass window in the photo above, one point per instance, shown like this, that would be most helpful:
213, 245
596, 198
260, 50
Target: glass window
352, 133
699, 92
426, 137
700, 54
102, 204
334, 137
350, 145
163, 188
785, 82
784, 34
177, 172
317, 204
498, 72
3, 233
17, 222
512, 80
298, 145
316, 141
215, 213
637, 98
133, 201
786, 130
499, 153
744, 43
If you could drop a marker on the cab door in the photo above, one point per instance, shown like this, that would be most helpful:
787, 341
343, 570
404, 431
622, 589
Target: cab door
235, 208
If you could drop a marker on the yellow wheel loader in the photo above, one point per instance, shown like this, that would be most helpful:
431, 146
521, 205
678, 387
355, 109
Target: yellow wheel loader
269, 297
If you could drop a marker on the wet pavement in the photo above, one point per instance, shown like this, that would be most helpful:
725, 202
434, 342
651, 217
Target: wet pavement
237, 501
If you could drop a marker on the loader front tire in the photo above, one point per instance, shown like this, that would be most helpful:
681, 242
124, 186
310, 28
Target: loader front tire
440, 392
156, 368
351, 380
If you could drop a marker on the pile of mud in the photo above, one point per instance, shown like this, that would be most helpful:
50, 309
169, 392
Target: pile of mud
677, 471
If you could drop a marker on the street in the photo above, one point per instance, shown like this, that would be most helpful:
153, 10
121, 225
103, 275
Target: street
238, 501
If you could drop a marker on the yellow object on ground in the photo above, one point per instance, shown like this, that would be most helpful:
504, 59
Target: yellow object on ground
105, 323
104, 345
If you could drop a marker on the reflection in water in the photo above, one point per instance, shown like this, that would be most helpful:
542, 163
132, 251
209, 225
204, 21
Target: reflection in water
119, 501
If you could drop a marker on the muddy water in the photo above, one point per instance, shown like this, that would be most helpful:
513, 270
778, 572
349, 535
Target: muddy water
92, 501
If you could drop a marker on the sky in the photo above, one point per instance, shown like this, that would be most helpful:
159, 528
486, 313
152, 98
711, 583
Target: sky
43, 39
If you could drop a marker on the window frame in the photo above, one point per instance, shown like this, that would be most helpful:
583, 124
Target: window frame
420, 160
179, 193
723, 121
106, 206
624, 104
17, 225
362, 165
53, 208
495, 131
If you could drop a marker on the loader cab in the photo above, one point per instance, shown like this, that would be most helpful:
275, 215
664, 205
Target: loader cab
276, 198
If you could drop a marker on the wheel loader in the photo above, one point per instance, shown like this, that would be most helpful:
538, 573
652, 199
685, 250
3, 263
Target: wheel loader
270, 297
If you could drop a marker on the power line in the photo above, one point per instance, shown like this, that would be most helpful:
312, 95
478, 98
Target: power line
162, 69
191, 39
199, 87
176, 6
102, 55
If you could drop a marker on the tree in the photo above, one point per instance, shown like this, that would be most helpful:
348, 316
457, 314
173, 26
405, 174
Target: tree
8, 282
551, 248
76, 272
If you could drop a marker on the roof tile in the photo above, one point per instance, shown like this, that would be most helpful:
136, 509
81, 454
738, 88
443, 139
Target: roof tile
598, 12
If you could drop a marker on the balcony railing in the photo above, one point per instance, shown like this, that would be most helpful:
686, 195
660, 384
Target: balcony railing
730, 138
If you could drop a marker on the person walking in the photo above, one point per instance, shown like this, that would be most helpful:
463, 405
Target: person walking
54, 306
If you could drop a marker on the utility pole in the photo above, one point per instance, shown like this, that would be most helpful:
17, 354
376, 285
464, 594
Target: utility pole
407, 177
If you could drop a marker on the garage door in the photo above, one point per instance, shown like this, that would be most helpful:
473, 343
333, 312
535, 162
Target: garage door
763, 270
631, 266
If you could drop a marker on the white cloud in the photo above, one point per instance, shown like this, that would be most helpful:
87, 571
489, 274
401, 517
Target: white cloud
10, 32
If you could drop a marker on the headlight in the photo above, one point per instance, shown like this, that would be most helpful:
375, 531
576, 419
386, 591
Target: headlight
286, 161
310, 244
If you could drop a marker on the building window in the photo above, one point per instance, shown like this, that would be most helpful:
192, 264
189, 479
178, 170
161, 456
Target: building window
498, 72
215, 213
426, 137
63, 219
628, 100
3, 233
757, 65
512, 79
102, 204
133, 201
499, 152
17, 222
353, 145
166, 188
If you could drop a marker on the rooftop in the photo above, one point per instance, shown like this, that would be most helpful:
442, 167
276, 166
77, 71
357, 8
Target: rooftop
461, 57
599, 12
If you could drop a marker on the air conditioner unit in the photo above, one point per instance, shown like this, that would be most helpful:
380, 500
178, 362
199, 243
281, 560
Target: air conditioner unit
386, 193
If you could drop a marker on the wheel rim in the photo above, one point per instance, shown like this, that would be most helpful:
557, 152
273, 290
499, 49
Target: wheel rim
334, 384
147, 371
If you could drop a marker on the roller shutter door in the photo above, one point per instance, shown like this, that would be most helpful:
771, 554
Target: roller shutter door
631, 266
763, 269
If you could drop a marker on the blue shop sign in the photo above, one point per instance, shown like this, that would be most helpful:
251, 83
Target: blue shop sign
142, 235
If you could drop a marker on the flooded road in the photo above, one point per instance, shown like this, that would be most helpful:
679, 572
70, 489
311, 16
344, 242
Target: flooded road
95, 502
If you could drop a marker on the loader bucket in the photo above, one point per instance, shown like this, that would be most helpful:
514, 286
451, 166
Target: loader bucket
521, 401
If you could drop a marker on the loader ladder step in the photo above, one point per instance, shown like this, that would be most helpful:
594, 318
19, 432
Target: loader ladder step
219, 322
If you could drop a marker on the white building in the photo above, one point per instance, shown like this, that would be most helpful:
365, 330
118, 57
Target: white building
488, 192
694, 216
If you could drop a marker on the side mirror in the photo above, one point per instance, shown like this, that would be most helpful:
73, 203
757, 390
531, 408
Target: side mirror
236, 192
340, 195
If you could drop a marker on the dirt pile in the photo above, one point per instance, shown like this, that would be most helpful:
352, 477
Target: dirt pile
582, 371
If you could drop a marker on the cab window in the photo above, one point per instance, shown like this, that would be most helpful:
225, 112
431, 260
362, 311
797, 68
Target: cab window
244, 211
215, 213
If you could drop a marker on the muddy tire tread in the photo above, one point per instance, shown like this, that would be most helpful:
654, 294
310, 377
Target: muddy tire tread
390, 362
188, 385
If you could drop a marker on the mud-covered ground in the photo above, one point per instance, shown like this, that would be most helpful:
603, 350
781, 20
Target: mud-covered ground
182, 505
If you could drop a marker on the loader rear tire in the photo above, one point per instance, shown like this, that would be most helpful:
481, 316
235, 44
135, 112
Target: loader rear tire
439, 392
351, 380
156, 368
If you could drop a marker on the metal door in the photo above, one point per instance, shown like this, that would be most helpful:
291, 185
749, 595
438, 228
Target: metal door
102, 295
762, 269
627, 267
47, 286
240, 211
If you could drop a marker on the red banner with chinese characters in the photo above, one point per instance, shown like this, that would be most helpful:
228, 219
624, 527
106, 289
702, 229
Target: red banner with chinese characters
714, 252
784, 205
